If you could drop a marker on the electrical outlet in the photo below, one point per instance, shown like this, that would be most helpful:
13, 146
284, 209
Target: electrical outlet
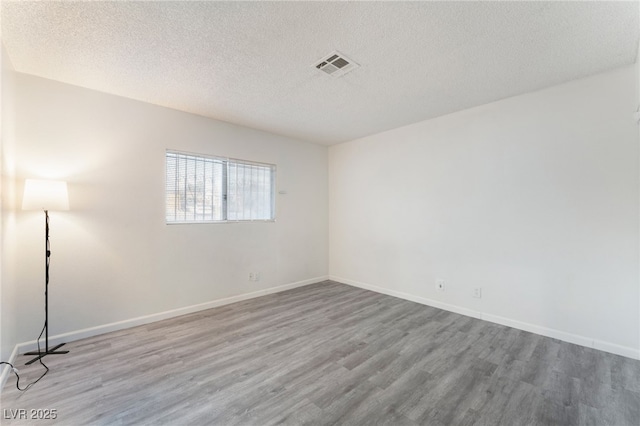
440, 285
477, 292
256, 276
251, 276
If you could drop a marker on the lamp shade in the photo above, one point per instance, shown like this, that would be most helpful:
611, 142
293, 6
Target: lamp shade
45, 195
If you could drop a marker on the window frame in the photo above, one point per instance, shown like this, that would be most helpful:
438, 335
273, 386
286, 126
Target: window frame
225, 188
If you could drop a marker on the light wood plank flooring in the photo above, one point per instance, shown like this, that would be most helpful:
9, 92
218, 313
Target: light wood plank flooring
330, 354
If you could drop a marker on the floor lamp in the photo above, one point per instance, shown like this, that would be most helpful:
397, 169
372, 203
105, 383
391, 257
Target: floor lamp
45, 195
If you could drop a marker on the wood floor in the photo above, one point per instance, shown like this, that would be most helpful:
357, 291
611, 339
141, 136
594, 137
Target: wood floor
329, 354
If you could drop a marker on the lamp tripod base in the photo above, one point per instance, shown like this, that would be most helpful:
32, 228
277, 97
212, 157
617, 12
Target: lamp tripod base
42, 354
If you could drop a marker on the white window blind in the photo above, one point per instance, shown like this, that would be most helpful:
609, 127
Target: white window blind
210, 189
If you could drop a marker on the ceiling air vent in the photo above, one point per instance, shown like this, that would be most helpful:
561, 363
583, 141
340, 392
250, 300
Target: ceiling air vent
336, 64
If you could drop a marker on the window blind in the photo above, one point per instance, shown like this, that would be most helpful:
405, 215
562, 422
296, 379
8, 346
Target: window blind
250, 191
211, 189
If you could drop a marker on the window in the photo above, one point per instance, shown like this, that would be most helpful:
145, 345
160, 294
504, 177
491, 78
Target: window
210, 189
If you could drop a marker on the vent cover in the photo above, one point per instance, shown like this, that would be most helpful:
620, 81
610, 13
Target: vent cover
336, 64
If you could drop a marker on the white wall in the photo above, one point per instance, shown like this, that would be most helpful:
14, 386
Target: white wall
637, 120
8, 308
113, 256
535, 199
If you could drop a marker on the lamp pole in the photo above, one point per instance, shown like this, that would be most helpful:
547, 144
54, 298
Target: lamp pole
47, 255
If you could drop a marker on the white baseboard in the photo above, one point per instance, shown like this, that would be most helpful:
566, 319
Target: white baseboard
146, 319
613, 348
567, 337
410, 297
543, 331
6, 370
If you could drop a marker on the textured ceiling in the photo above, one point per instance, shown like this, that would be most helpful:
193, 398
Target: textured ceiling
251, 63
